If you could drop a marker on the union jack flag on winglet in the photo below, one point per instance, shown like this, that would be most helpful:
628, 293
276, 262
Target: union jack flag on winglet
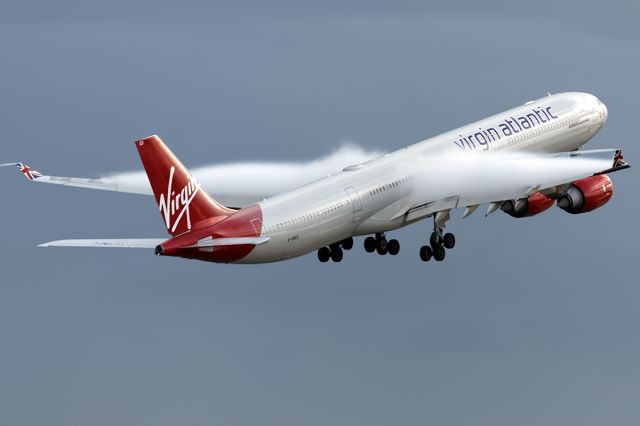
618, 159
28, 171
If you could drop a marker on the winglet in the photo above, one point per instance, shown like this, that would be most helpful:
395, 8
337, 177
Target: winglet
25, 170
28, 171
618, 164
618, 159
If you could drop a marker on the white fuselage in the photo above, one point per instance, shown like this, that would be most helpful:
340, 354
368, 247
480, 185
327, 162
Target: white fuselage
378, 195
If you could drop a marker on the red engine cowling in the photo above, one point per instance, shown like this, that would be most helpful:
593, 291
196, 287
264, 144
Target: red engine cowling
525, 207
587, 194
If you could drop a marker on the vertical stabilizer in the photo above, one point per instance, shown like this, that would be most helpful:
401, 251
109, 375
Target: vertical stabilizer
181, 200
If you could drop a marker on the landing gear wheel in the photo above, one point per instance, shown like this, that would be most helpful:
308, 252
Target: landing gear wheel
347, 244
438, 253
393, 247
449, 240
425, 253
382, 246
435, 240
370, 244
336, 254
324, 254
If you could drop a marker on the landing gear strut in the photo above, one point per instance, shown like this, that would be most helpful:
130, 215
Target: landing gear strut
380, 244
437, 244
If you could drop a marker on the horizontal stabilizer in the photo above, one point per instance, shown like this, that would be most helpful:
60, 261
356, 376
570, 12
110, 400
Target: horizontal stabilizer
116, 243
217, 242
153, 242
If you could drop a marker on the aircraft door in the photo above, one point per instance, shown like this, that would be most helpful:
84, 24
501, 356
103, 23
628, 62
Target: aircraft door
356, 203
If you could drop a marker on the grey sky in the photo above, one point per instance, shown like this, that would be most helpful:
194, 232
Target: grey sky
527, 322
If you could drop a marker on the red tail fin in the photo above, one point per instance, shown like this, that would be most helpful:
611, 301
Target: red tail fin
181, 200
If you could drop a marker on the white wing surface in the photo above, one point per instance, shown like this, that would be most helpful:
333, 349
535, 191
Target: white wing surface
470, 180
102, 184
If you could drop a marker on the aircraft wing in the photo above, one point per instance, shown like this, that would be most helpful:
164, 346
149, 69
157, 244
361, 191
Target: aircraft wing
137, 186
470, 181
101, 184
235, 185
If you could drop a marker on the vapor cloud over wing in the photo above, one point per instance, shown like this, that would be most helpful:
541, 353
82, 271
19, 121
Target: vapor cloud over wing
239, 184
477, 178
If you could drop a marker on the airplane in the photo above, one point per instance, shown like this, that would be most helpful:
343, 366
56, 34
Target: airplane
519, 161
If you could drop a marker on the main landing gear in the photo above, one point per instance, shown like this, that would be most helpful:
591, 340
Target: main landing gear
335, 251
437, 245
380, 244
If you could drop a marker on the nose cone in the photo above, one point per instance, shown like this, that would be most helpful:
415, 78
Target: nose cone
600, 108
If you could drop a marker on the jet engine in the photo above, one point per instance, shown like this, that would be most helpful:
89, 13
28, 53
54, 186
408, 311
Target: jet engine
525, 207
586, 194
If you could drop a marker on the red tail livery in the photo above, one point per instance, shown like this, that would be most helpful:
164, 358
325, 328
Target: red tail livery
181, 200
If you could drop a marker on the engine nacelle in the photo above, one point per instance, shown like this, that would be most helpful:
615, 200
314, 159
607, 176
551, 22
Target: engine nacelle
587, 194
525, 207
